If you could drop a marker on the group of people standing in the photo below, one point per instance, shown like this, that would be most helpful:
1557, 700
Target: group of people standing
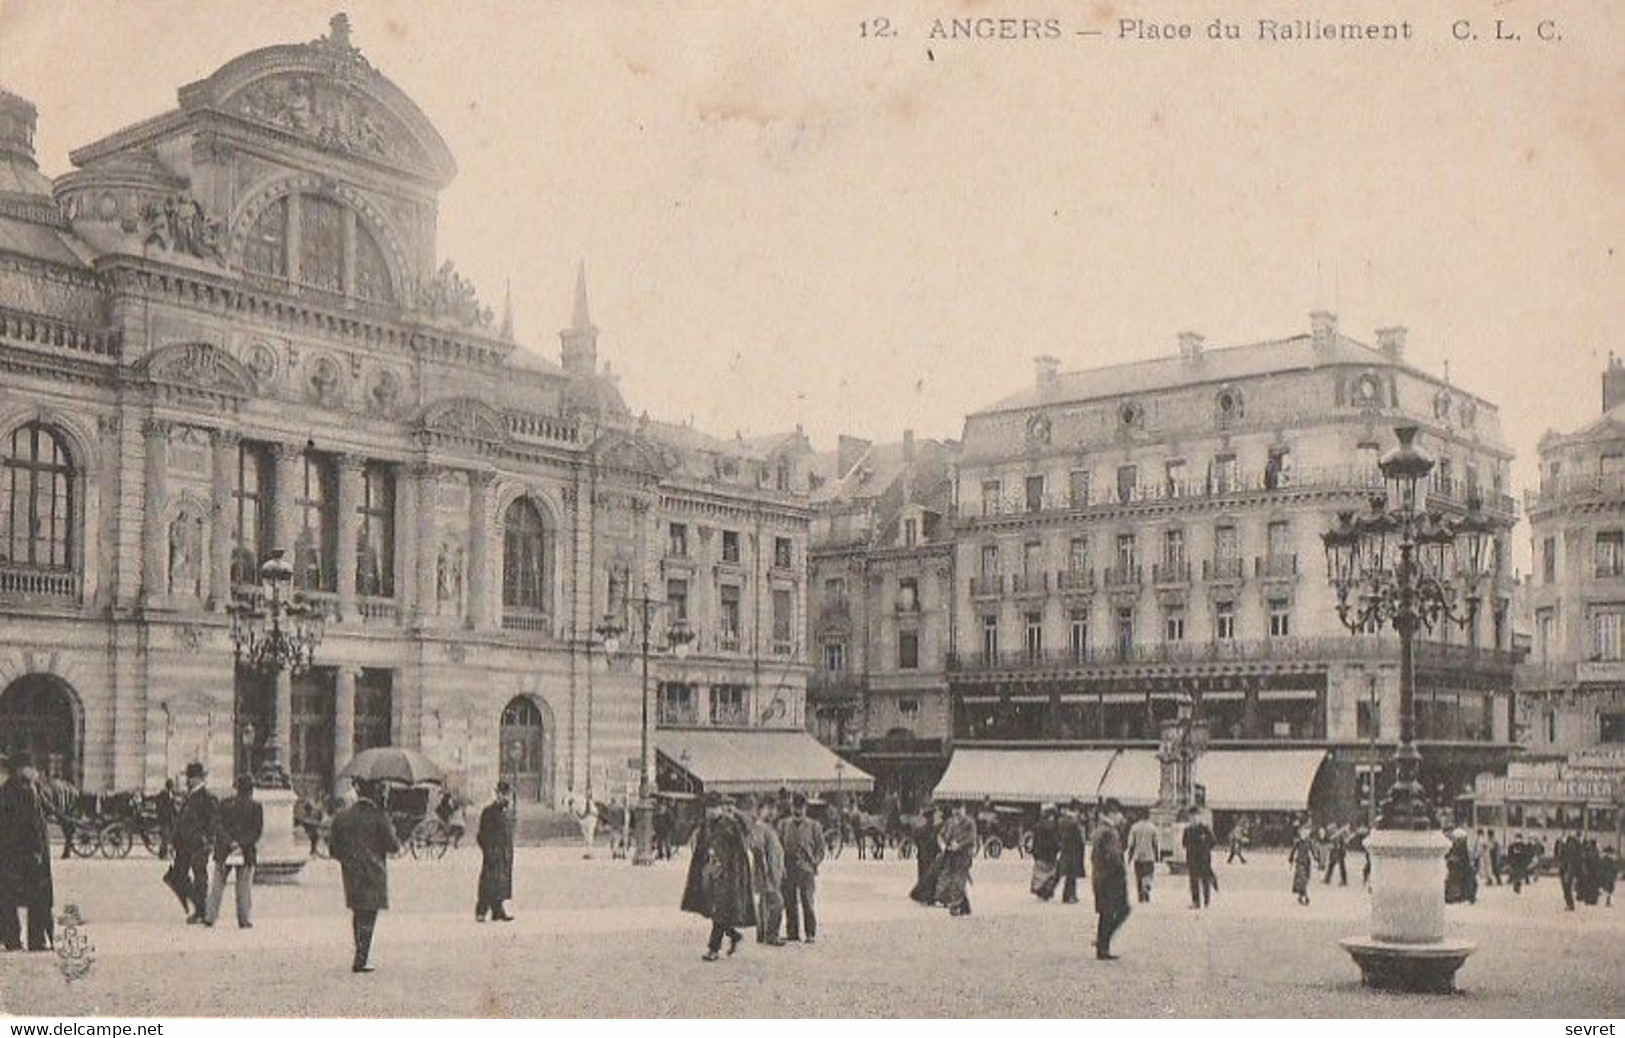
755, 866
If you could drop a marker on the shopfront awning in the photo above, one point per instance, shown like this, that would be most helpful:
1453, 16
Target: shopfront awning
1259, 780
759, 761
1134, 779
1023, 776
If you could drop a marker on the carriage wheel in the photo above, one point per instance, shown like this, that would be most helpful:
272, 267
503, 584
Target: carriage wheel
85, 841
1027, 843
995, 847
152, 840
437, 846
116, 841
905, 848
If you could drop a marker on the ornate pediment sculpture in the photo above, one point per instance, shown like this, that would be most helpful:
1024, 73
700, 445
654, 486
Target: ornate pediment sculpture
465, 418
200, 365
448, 296
179, 223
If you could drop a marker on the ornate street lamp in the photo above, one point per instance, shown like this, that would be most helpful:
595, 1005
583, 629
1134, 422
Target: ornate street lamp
679, 639
274, 630
1403, 565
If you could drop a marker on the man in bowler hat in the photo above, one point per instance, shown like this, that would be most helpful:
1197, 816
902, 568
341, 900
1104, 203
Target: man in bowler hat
236, 847
195, 826
495, 838
362, 841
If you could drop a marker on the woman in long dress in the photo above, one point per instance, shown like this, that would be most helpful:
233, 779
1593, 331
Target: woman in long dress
1046, 855
953, 877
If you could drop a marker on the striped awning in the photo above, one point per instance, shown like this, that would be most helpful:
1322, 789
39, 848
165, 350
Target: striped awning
1023, 776
759, 761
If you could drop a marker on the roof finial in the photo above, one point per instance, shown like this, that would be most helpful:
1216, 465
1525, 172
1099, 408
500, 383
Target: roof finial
507, 310
338, 30
581, 319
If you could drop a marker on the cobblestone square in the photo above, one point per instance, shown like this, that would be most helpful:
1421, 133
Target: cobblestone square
600, 938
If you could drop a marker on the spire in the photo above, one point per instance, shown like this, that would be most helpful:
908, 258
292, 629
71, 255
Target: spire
579, 342
581, 320
507, 310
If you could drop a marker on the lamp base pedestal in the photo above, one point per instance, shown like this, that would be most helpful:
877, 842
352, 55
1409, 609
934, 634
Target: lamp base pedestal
1407, 949
281, 855
643, 829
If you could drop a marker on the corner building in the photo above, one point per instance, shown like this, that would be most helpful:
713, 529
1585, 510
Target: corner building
1133, 535
228, 330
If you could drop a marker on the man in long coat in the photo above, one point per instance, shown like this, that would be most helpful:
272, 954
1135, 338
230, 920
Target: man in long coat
362, 840
953, 875
25, 858
1199, 840
188, 875
1110, 879
803, 841
1046, 854
495, 838
1070, 832
719, 877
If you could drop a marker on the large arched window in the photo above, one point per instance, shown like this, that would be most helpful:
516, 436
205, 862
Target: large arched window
527, 550
37, 500
333, 251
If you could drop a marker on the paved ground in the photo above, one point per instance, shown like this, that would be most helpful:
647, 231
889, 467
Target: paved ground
598, 938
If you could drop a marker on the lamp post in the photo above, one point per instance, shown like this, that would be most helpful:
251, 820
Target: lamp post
1403, 565
274, 631
679, 638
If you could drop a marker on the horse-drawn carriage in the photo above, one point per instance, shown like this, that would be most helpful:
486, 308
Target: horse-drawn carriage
109, 824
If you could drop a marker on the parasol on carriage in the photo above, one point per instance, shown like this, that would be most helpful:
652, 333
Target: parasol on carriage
392, 764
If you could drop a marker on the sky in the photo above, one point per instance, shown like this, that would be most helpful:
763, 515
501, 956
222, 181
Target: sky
784, 222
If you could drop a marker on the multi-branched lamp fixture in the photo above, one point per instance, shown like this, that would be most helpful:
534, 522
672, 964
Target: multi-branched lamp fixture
1404, 565
272, 628
679, 640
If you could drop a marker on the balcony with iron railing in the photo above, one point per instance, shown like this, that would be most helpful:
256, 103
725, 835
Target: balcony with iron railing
987, 586
1122, 576
678, 714
835, 684
1358, 479
1026, 584
1171, 571
1278, 566
37, 584
1224, 568
1576, 489
1328, 648
1075, 579
729, 715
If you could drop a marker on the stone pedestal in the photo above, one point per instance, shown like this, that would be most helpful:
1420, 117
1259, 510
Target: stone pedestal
1407, 949
281, 852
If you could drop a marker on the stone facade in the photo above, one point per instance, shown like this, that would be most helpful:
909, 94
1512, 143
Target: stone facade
1572, 690
1129, 535
229, 330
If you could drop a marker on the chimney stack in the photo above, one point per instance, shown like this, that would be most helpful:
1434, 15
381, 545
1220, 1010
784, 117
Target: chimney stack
17, 120
1391, 341
1048, 369
1613, 383
908, 446
1323, 329
1190, 346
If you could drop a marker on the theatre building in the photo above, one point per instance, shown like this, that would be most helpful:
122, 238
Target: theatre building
1134, 536
228, 330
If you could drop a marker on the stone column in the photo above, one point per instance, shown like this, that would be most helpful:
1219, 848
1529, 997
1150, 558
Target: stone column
282, 719
344, 716
426, 477
289, 463
223, 517
479, 492
154, 541
349, 527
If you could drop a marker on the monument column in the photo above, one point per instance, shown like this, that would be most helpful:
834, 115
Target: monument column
349, 527
225, 444
288, 460
479, 566
153, 539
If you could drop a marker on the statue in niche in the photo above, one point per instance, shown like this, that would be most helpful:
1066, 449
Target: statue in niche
449, 577
186, 554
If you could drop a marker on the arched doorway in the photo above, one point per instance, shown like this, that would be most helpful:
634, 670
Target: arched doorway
40, 713
524, 750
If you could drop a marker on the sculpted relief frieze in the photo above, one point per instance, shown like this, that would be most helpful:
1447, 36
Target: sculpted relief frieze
334, 115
